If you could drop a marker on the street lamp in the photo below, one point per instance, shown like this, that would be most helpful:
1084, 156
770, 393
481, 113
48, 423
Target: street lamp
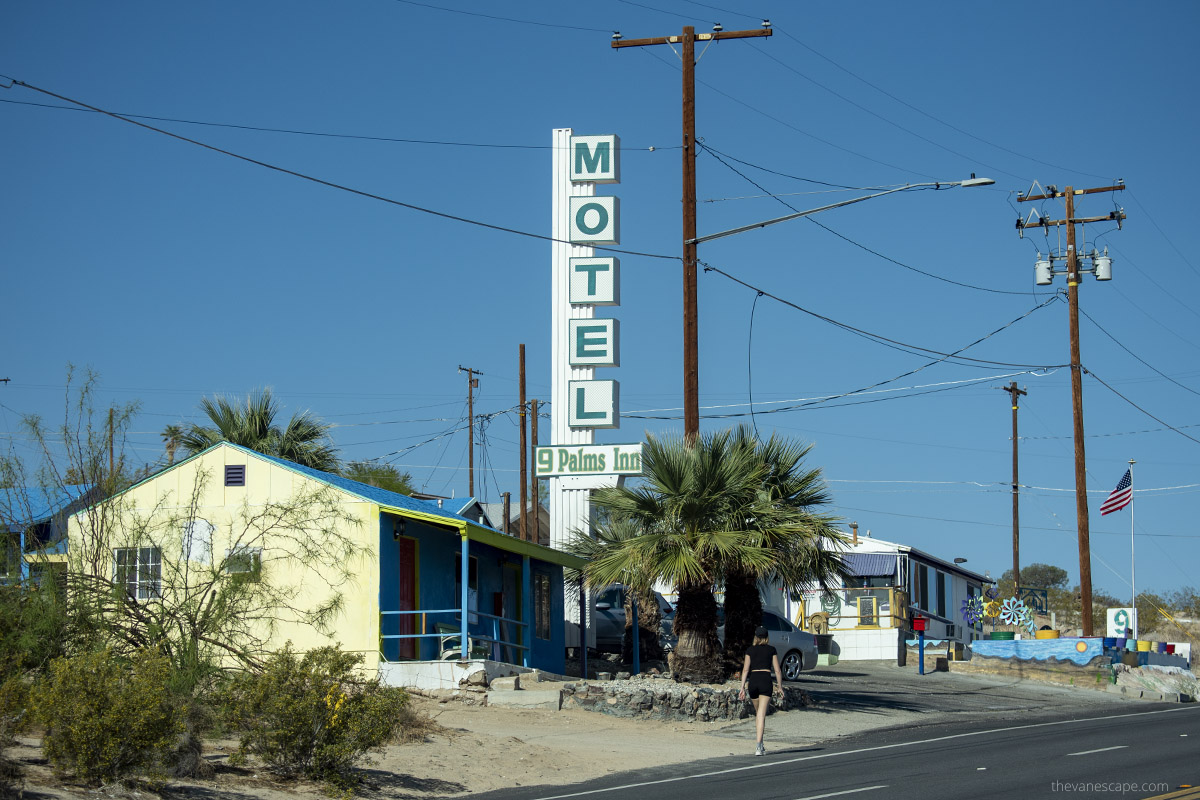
691, 369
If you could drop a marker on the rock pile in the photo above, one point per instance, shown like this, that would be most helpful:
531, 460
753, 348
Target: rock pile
660, 697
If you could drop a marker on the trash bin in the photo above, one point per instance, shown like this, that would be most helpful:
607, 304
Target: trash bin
824, 643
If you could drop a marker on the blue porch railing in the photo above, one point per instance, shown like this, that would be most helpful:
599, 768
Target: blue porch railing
468, 638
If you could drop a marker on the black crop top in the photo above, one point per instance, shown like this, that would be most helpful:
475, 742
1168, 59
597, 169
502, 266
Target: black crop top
760, 656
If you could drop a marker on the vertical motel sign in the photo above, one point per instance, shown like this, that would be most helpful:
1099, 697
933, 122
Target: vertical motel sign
594, 220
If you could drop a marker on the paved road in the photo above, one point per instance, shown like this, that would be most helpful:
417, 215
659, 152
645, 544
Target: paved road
881, 731
1141, 753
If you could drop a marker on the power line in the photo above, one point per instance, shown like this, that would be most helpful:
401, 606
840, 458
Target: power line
902, 346
1139, 408
845, 238
501, 19
1135, 355
330, 184
322, 134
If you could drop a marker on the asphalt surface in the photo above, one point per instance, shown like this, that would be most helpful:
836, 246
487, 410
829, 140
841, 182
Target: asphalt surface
880, 731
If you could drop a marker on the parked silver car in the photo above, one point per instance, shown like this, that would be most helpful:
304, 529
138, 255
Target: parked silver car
608, 617
797, 648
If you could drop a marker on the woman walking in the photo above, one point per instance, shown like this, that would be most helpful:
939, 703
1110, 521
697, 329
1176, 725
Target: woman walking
761, 660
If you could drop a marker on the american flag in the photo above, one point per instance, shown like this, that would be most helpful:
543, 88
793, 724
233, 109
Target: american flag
1120, 497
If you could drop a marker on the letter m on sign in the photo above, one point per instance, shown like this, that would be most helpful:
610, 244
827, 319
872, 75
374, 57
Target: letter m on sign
596, 159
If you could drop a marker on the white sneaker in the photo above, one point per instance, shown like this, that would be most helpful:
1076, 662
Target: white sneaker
760, 750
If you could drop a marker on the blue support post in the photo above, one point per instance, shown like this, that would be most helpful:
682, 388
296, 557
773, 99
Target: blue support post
637, 655
465, 571
921, 652
583, 667
526, 611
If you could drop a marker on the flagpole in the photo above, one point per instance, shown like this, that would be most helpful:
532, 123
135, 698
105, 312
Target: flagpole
1132, 551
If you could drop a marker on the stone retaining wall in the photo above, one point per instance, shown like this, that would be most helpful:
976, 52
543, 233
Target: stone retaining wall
665, 699
1095, 675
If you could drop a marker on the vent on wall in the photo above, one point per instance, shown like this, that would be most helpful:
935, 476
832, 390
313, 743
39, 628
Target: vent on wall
235, 474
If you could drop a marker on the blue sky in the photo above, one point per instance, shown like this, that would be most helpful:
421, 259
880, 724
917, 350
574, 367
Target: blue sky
177, 272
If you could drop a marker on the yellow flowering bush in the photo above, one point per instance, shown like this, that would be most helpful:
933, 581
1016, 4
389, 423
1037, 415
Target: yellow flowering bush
106, 718
313, 715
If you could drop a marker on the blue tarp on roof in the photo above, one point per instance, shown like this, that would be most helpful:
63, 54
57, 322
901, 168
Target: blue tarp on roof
26, 505
871, 565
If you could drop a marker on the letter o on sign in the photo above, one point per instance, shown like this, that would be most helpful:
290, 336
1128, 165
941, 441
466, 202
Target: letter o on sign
601, 218
595, 220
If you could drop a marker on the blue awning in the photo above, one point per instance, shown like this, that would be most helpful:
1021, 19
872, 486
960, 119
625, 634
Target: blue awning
871, 565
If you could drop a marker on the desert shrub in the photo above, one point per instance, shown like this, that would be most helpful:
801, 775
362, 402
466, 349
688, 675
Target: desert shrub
13, 699
313, 715
106, 718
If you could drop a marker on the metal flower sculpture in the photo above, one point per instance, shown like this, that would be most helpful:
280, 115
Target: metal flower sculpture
992, 593
991, 609
1027, 621
1012, 610
972, 610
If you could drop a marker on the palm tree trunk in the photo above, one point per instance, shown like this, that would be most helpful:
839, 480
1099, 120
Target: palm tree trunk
743, 612
649, 620
697, 656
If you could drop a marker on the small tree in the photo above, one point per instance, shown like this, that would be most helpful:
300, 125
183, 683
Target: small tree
381, 476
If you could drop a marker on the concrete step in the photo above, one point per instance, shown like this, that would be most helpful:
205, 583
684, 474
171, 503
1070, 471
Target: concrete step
550, 699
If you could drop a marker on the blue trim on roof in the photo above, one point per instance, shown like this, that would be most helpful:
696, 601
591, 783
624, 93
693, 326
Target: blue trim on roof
33, 504
372, 494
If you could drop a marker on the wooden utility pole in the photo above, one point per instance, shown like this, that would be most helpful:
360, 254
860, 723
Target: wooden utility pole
472, 385
691, 326
1081, 504
1014, 392
521, 400
536, 510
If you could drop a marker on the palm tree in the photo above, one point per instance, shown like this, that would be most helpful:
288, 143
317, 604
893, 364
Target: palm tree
305, 439
608, 536
800, 546
722, 511
171, 436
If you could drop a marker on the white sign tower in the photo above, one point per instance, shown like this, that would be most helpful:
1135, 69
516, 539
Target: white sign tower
580, 282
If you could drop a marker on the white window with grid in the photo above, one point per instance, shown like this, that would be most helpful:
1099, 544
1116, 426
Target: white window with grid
139, 570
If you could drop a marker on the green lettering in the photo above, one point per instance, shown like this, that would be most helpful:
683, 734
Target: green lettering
581, 214
584, 342
591, 270
580, 413
587, 161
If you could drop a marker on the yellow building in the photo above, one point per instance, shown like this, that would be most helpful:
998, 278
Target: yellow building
329, 560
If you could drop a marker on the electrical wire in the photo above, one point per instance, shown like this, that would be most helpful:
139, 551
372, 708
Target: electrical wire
1136, 356
499, 18
911, 349
332, 185
1139, 408
762, 51
324, 134
750, 363
845, 238
650, 52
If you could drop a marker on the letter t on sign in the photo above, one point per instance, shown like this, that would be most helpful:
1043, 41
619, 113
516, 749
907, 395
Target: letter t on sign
595, 281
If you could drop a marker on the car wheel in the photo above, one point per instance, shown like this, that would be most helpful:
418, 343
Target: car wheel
793, 665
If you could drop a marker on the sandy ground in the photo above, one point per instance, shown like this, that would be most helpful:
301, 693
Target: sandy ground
477, 749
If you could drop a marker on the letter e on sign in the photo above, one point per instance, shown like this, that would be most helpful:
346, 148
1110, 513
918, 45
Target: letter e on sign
596, 159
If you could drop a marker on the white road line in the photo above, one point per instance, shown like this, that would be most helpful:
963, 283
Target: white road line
839, 794
1190, 708
1101, 750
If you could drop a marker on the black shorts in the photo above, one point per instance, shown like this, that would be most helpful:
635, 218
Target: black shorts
759, 683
